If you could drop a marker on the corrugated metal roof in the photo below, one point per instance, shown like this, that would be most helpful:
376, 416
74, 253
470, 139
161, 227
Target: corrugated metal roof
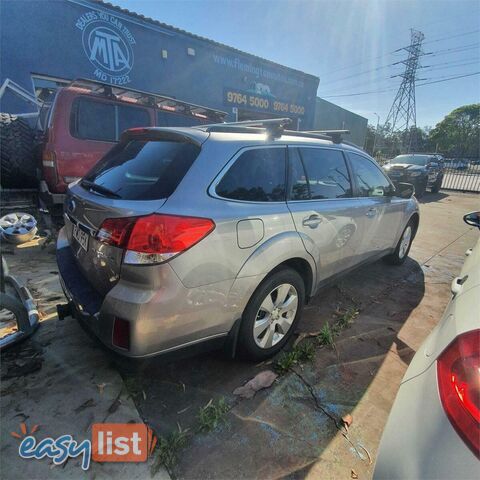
198, 37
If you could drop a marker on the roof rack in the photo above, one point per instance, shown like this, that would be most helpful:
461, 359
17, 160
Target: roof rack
274, 128
148, 99
335, 135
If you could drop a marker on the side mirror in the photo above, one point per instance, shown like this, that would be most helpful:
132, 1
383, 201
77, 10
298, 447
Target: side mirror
433, 164
473, 219
404, 190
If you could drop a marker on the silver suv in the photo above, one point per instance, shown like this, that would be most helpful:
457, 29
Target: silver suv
184, 235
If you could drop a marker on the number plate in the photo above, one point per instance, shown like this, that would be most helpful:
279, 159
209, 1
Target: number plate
81, 237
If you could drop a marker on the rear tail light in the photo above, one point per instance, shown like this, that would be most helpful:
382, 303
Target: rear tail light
48, 159
458, 371
115, 231
121, 333
155, 238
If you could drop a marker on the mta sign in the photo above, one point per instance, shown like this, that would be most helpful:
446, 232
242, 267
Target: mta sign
108, 50
107, 43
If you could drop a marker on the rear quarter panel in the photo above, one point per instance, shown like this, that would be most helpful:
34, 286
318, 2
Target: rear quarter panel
219, 257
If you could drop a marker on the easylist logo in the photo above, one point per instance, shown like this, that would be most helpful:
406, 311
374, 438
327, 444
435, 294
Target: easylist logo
111, 442
108, 44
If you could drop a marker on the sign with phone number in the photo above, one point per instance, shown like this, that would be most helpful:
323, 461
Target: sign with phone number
251, 101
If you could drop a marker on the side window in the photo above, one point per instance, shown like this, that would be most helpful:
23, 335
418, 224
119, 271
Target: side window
258, 175
130, 117
324, 175
371, 182
93, 120
299, 189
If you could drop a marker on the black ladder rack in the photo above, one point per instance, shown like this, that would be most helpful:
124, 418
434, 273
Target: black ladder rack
274, 128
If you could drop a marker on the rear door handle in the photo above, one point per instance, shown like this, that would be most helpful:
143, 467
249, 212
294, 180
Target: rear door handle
312, 221
371, 212
457, 284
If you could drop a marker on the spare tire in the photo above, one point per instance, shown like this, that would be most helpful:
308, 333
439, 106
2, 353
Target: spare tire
17, 152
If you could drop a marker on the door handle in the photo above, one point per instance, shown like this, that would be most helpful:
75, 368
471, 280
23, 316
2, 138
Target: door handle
371, 212
457, 284
312, 221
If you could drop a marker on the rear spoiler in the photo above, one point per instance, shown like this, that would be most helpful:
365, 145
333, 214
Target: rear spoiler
186, 135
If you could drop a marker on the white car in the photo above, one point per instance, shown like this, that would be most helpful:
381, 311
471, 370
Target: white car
433, 430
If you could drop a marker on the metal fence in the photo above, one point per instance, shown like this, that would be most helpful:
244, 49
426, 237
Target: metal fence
462, 174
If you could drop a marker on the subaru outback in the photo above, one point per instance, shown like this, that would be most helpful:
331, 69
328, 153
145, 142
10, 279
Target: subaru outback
222, 233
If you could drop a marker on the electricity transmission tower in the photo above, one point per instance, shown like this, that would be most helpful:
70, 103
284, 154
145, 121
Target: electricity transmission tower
401, 121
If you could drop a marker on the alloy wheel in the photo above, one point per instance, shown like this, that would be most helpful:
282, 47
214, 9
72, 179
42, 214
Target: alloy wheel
405, 242
275, 315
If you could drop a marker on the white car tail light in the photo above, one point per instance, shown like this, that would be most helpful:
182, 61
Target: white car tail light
458, 372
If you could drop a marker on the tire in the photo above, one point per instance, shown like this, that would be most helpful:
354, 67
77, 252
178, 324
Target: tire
17, 153
438, 184
249, 344
400, 254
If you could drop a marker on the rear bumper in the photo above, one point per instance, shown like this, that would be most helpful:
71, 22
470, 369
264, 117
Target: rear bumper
162, 318
50, 198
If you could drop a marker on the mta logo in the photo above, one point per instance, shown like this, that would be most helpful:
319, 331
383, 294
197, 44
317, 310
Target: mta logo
107, 50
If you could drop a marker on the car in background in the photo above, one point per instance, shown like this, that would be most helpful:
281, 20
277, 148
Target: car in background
433, 430
422, 170
183, 236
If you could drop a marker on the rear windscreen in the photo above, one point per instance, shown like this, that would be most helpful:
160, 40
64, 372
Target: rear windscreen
144, 169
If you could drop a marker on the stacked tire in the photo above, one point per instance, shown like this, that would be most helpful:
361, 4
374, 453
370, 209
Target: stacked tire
17, 153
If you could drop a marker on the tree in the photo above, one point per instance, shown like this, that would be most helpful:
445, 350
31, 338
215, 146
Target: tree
458, 134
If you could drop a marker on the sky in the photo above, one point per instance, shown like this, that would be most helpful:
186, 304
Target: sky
350, 45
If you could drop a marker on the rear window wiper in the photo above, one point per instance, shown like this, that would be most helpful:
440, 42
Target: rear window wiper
99, 188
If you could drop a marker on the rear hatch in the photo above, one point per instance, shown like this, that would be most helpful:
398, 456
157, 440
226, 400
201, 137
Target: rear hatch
134, 179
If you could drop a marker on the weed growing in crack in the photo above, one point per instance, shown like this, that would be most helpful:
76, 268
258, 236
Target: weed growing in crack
285, 362
166, 453
326, 335
347, 318
212, 415
303, 352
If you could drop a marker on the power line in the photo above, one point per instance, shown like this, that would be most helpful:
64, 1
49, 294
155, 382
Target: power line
447, 51
447, 67
359, 63
448, 78
392, 89
452, 62
424, 68
460, 48
359, 74
452, 36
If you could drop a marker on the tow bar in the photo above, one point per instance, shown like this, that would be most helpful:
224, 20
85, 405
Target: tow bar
64, 310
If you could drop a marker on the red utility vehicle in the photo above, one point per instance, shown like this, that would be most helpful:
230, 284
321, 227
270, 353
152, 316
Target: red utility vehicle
85, 119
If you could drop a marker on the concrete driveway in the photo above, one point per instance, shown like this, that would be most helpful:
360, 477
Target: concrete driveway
294, 428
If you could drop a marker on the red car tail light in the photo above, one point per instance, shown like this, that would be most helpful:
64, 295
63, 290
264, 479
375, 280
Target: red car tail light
154, 238
458, 372
121, 333
48, 159
115, 231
